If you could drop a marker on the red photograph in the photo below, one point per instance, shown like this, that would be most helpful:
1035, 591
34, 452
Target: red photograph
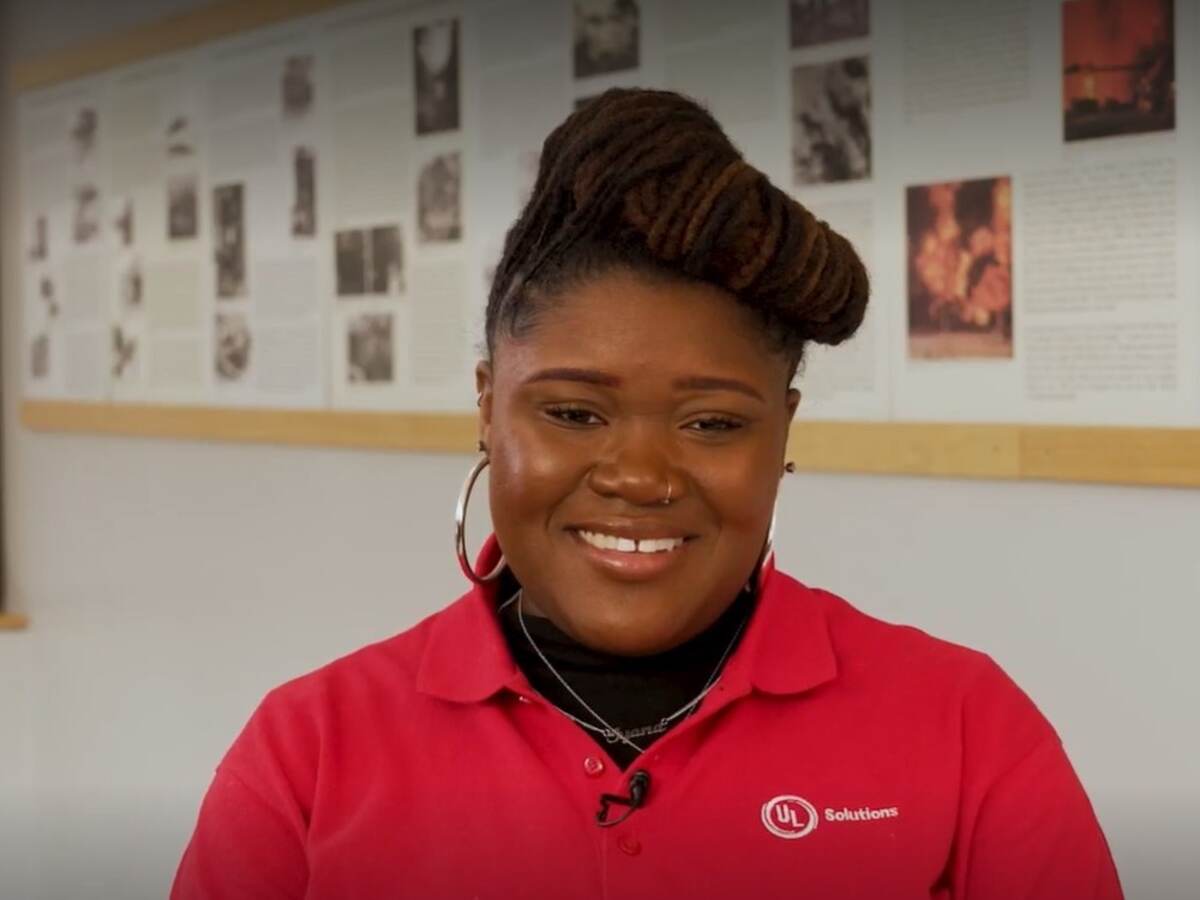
1118, 67
960, 269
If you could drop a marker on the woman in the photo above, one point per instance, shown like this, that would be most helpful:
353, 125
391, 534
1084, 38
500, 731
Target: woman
631, 701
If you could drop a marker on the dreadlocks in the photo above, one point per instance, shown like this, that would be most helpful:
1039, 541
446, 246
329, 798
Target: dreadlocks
648, 180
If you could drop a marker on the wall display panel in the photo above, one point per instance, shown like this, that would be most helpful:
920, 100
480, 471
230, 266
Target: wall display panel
280, 219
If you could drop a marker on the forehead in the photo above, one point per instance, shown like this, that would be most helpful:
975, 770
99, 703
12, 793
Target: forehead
642, 326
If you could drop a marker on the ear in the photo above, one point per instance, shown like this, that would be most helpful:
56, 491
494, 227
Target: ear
793, 402
483, 387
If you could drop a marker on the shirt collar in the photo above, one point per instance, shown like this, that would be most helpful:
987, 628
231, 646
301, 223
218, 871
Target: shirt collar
786, 649
466, 659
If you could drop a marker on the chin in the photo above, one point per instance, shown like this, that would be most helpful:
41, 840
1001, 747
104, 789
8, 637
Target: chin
624, 643
612, 621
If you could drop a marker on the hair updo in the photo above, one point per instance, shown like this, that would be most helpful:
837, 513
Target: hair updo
647, 180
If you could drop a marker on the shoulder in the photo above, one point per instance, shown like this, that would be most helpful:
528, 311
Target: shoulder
295, 720
918, 676
866, 643
867, 646
391, 663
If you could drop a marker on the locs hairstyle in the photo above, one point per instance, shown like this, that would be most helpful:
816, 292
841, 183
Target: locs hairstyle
647, 180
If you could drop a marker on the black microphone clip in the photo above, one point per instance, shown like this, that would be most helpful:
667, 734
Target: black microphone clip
639, 786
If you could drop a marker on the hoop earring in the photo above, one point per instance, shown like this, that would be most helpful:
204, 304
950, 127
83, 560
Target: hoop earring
460, 528
768, 552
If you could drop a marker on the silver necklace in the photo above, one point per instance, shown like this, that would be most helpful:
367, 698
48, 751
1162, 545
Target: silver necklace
611, 733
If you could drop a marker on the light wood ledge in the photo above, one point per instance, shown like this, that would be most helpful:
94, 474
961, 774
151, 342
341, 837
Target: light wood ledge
13, 622
364, 430
174, 33
1149, 456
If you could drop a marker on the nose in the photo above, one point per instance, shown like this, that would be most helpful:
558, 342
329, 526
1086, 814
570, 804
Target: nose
636, 467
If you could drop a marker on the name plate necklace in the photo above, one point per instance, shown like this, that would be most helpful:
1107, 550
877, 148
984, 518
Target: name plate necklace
609, 732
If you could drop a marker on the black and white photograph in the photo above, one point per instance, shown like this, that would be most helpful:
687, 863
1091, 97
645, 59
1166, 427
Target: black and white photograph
824, 21
85, 224
83, 131
439, 204
229, 239
183, 207
39, 356
123, 223
436, 61
298, 88
130, 287
124, 353
386, 261
48, 295
39, 244
304, 186
831, 121
369, 348
180, 142
350, 262
232, 346
369, 261
607, 36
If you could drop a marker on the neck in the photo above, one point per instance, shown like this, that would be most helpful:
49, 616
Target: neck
625, 703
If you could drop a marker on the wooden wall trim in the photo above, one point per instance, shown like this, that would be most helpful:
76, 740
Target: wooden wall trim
13, 622
1162, 456
172, 34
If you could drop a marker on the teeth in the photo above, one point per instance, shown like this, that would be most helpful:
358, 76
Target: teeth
628, 545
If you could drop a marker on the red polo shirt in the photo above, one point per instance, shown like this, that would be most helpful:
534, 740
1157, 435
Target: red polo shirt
839, 756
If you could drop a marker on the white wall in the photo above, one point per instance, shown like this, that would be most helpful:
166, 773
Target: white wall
170, 584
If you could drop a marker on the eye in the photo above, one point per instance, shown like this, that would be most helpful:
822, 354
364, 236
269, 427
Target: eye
714, 425
576, 416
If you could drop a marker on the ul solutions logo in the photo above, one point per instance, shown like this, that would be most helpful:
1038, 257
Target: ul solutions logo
789, 817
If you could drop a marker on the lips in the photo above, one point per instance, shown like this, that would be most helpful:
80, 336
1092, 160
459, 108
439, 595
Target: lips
632, 551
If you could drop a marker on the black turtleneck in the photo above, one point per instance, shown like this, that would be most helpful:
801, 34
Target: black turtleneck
628, 692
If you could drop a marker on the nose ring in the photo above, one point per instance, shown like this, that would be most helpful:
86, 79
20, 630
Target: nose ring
667, 499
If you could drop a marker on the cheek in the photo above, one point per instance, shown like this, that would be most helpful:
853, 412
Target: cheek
741, 490
529, 478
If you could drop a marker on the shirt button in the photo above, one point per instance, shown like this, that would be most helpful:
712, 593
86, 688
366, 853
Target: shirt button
593, 766
521, 698
630, 846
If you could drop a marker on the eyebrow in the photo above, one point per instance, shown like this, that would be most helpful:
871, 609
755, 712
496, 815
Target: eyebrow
687, 383
587, 376
710, 383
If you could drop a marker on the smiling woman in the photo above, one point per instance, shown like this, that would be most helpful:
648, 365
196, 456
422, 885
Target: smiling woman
631, 701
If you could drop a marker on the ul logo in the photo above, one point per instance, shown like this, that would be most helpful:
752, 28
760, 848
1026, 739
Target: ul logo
789, 817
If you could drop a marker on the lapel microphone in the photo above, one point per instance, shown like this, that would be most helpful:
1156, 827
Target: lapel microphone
639, 786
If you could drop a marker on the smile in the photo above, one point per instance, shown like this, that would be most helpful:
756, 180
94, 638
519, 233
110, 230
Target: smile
628, 545
636, 552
